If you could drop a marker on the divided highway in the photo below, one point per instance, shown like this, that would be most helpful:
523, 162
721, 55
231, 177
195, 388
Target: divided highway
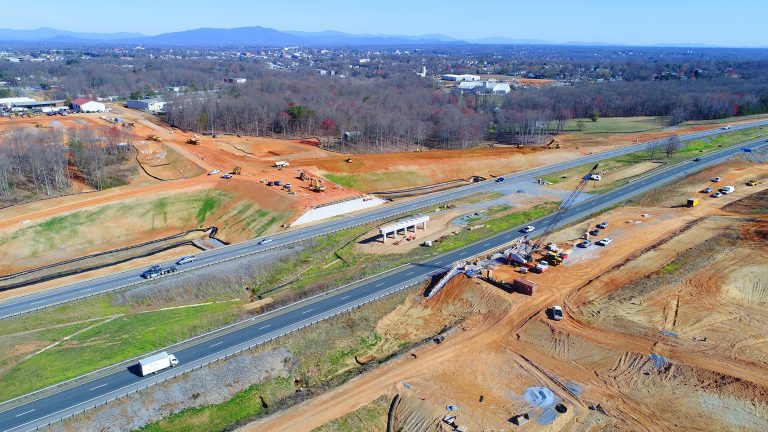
28, 303
83, 396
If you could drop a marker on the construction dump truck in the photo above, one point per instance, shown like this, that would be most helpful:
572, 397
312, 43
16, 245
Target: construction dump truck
154, 138
156, 363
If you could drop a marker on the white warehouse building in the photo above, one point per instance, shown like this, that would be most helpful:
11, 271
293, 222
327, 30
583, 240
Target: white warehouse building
87, 105
403, 225
464, 77
150, 105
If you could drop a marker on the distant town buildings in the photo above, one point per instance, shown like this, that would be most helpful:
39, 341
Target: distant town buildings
489, 86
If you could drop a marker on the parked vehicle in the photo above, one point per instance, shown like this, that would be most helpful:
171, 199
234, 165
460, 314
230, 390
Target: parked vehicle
528, 229
214, 172
282, 164
185, 260
585, 244
717, 179
278, 183
706, 190
557, 313
603, 225
726, 127
594, 232
725, 190
227, 176
595, 177
605, 242
500, 179
265, 241
156, 363
716, 195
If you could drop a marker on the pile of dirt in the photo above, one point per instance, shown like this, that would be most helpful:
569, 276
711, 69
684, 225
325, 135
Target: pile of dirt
755, 204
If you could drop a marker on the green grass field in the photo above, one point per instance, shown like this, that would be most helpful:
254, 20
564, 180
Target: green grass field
614, 125
689, 150
384, 181
115, 334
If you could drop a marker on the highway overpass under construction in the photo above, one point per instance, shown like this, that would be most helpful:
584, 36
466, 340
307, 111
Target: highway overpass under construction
404, 225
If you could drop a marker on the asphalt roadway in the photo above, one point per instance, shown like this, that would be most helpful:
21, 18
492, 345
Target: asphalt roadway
277, 323
33, 302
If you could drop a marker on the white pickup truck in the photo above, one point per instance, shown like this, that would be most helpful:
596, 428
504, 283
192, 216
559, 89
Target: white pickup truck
157, 362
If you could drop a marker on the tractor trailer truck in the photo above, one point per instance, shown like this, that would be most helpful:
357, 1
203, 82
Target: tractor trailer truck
156, 363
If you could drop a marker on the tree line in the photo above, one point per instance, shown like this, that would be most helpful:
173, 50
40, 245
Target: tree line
43, 162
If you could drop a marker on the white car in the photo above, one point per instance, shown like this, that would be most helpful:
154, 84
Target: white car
227, 176
716, 195
186, 259
214, 172
557, 313
717, 179
265, 241
605, 242
528, 229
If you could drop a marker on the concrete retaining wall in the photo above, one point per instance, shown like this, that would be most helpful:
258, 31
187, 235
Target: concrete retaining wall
339, 208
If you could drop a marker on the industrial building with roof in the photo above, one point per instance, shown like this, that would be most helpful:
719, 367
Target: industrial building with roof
149, 105
87, 105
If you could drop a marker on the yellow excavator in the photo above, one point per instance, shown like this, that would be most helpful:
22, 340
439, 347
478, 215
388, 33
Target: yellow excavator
237, 170
315, 185
554, 143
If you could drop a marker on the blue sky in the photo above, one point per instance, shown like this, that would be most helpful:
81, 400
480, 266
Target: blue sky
710, 22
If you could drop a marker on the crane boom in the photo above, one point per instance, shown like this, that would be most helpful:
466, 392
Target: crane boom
567, 203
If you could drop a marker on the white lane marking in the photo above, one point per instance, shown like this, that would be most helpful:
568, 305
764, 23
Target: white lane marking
409, 273
99, 386
216, 344
346, 297
378, 285
438, 262
25, 412
262, 328
486, 245
39, 301
306, 311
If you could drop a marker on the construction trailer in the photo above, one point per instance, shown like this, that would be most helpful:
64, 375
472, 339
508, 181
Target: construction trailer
524, 286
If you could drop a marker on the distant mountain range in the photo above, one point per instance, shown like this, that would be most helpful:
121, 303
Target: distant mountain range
260, 37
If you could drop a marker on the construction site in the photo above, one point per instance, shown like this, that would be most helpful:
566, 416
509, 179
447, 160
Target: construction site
657, 329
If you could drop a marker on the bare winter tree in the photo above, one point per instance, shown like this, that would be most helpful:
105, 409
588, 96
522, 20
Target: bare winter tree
672, 145
654, 147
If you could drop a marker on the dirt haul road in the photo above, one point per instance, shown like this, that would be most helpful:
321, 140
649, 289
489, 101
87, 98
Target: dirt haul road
452, 371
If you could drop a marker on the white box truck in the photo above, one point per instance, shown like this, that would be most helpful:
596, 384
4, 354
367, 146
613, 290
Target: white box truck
282, 164
157, 363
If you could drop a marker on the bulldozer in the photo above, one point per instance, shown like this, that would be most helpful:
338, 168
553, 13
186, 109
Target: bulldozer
194, 140
754, 182
315, 185
38, 125
154, 138
237, 170
348, 160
